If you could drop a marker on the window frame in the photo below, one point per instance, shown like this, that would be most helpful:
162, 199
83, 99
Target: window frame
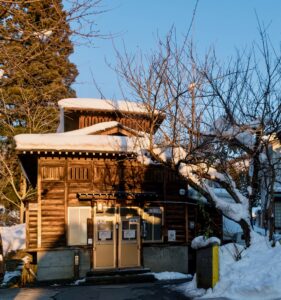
46, 168
82, 226
144, 220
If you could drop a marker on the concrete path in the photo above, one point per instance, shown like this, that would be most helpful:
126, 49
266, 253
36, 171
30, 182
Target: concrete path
140, 291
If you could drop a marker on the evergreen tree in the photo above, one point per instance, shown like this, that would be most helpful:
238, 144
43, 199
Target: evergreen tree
34, 60
35, 72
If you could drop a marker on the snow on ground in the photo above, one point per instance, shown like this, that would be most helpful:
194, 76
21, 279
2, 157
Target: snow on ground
256, 276
13, 238
78, 281
170, 275
9, 276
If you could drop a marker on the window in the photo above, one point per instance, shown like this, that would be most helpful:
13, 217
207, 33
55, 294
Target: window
105, 230
152, 224
278, 214
52, 172
129, 229
78, 173
77, 225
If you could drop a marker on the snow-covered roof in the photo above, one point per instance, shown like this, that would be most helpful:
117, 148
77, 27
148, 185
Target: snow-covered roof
100, 127
85, 139
72, 142
104, 105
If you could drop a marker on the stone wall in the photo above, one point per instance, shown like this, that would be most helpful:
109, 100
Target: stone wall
59, 264
166, 258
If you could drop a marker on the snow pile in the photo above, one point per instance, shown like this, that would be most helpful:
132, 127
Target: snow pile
201, 242
170, 275
13, 238
79, 281
256, 276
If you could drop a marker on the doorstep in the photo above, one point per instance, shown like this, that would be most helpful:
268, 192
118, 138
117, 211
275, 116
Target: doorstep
117, 276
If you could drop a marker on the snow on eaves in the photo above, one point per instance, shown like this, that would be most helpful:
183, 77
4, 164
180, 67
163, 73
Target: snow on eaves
64, 142
84, 140
104, 105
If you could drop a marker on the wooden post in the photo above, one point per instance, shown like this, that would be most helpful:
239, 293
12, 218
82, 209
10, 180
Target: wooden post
90, 239
39, 217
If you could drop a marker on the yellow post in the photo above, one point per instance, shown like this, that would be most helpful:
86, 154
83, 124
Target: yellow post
207, 266
215, 264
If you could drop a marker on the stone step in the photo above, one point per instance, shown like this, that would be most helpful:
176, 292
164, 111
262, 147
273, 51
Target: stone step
120, 272
118, 279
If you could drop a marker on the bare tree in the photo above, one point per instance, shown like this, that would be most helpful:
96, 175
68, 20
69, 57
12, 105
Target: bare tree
248, 97
220, 119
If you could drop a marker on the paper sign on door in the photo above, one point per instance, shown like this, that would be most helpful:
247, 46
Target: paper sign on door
104, 235
129, 234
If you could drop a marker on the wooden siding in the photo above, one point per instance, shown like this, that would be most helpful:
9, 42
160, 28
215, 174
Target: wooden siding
79, 119
53, 214
175, 219
61, 179
32, 210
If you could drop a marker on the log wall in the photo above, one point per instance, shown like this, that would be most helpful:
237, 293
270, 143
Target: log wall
60, 179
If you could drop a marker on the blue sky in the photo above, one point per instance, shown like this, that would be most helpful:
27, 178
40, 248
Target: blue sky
224, 24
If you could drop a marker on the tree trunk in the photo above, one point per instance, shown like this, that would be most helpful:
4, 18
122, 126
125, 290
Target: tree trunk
23, 189
246, 231
21, 212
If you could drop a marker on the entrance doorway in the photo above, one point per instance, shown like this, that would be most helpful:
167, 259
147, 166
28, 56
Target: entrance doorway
117, 238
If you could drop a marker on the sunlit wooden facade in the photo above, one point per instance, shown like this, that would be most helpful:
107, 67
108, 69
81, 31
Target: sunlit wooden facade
107, 207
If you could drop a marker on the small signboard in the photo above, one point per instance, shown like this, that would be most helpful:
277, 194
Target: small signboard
171, 235
129, 234
105, 235
154, 210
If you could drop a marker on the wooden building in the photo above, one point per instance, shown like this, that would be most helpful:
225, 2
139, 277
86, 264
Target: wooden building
102, 203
